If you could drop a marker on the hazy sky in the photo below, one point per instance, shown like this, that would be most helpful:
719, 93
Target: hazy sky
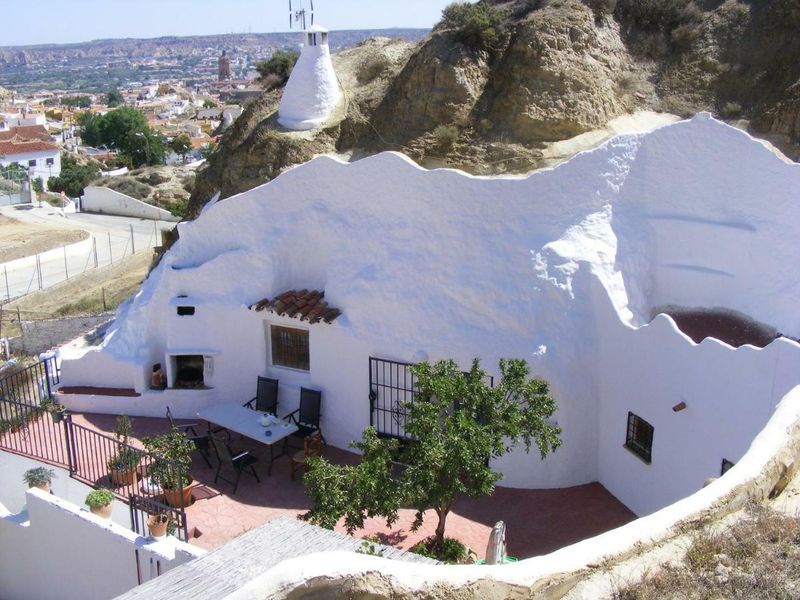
64, 21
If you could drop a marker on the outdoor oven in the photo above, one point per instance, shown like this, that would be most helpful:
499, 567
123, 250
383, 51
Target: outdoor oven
188, 371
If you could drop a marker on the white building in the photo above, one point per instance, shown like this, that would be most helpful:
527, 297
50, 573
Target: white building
27, 146
312, 92
565, 268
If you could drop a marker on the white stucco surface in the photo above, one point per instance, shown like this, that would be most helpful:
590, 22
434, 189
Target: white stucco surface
106, 201
54, 550
312, 92
563, 268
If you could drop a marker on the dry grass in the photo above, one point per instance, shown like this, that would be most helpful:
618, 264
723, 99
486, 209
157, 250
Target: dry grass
758, 557
18, 239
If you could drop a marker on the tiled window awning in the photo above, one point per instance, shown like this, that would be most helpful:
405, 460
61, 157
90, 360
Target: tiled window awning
306, 305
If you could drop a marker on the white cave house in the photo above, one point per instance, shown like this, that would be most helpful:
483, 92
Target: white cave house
324, 276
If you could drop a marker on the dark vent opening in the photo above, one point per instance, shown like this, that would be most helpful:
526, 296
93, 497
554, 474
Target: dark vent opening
185, 311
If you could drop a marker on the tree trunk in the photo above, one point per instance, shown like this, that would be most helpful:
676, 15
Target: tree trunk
440, 527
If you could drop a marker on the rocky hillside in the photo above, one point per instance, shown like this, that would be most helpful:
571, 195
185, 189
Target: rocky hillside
496, 82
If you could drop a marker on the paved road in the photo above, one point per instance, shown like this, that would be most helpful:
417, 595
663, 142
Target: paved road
112, 238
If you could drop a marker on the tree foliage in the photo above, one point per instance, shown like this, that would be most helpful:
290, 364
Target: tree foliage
114, 98
124, 129
73, 178
279, 66
456, 425
478, 25
181, 144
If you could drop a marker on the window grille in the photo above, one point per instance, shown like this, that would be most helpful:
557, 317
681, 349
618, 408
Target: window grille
640, 437
290, 347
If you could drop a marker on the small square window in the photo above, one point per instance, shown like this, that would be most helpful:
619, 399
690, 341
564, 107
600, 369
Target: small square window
50, 162
640, 437
290, 347
31, 163
185, 311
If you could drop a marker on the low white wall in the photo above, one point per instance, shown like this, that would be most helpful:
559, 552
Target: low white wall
106, 201
55, 550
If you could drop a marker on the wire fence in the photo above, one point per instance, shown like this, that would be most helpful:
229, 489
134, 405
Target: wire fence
26, 275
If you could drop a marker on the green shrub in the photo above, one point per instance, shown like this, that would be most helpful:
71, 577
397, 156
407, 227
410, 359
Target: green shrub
445, 137
279, 66
479, 26
452, 551
371, 68
172, 457
97, 498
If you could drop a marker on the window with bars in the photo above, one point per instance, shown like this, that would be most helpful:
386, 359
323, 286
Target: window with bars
640, 437
289, 347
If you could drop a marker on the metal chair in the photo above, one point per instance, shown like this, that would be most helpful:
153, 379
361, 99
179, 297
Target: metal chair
307, 416
238, 462
188, 429
266, 399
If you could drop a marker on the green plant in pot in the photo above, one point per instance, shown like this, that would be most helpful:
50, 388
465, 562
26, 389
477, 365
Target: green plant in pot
39, 477
100, 502
172, 457
55, 409
159, 525
122, 467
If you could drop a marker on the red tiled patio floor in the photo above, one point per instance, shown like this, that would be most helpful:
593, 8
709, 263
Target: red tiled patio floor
537, 521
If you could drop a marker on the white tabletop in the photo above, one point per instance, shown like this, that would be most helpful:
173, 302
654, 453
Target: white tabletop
246, 422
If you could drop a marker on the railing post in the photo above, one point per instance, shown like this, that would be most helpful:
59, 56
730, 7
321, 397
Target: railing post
47, 377
69, 437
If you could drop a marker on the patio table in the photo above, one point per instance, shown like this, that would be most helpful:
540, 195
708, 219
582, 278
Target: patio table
246, 422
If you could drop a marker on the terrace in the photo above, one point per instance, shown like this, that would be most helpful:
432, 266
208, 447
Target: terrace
538, 521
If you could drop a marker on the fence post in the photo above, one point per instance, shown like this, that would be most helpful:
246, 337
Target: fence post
94, 250
8, 290
69, 437
21, 333
104, 298
66, 269
133, 244
110, 254
39, 270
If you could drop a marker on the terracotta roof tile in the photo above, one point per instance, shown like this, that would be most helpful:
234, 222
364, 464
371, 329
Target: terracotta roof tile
26, 133
306, 305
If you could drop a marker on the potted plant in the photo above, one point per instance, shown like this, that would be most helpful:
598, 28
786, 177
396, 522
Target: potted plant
122, 467
100, 502
39, 477
172, 457
56, 409
157, 524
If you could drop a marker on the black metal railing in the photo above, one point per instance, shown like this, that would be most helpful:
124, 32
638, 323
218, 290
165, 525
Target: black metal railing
33, 430
144, 507
30, 385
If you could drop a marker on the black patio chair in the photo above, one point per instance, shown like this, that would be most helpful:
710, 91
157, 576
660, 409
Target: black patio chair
188, 429
266, 399
307, 416
236, 461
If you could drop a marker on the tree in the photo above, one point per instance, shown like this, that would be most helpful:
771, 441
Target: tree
165, 89
114, 98
90, 129
145, 147
38, 185
277, 69
73, 178
456, 426
117, 126
181, 145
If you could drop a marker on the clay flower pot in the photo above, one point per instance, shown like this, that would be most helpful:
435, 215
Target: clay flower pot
103, 511
43, 486
179, 498
157, 524
120, 477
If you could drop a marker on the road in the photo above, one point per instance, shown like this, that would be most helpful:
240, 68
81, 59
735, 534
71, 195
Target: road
112, 238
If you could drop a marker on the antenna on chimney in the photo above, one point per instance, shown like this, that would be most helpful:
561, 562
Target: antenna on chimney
299, 15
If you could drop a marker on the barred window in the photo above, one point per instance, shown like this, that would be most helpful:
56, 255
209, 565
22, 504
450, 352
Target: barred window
640, 437
290, 347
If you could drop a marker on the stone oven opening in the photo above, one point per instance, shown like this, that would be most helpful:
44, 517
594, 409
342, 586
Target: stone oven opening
189, 371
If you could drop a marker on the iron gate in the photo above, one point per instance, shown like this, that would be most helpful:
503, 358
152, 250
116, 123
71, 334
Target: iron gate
391, 386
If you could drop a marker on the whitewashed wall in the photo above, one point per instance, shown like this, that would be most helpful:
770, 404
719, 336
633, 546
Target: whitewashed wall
110, 202
560, 268
54, 550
